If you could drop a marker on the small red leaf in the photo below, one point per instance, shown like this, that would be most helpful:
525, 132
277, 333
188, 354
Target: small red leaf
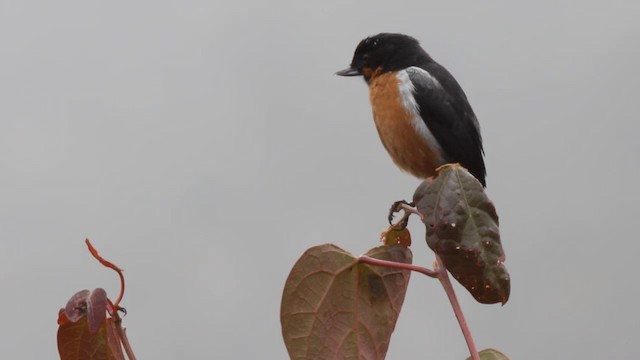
92, 304
62, 318
96, 309
76, 307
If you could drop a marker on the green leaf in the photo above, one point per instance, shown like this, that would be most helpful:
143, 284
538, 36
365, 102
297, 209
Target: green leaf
462, 228
491, 354
334, 307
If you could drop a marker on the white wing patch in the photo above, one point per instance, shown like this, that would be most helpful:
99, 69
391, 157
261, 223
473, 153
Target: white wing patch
407, 93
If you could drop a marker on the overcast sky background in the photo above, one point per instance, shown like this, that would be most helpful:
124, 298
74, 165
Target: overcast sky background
203, 146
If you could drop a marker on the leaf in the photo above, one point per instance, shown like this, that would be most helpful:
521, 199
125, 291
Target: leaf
491, 354
393, 236
334, 307
462, 229
76, 342
83, 332
92, 304
113, 339
76, 307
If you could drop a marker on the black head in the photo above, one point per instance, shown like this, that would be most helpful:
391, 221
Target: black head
385, 52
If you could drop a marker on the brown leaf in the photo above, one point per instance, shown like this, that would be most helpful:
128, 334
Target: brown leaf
76, 342
462, 228
336, 308
83, 332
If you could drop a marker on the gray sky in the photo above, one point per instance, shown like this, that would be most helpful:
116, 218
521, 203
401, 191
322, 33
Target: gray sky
203, 146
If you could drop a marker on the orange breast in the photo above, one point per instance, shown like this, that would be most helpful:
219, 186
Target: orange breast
400, 130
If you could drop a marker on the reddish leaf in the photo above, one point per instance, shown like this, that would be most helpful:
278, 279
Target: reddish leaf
336, 308
76, 342
462, 228
113, 340
62, 318
96, 309
92, 304
76, 307
83, 333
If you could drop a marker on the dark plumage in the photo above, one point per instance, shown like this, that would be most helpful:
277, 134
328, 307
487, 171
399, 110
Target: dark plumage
426, 89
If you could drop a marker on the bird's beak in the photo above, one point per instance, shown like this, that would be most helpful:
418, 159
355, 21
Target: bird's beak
349, 72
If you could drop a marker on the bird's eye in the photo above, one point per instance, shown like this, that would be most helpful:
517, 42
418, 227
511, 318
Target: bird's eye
375, 43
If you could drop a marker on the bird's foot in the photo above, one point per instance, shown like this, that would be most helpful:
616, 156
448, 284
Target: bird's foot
409, 208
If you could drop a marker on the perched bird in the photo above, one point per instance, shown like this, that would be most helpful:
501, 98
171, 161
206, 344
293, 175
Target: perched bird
422, 115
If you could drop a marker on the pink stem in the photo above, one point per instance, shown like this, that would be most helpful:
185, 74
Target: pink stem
397, 265
125, 341
441, 274
448, 288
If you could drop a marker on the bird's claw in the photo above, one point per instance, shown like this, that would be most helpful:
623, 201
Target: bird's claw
396, 207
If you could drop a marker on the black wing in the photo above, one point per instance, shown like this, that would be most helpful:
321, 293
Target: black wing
444, 108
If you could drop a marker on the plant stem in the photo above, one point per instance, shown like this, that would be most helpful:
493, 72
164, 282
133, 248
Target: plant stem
448, 289
397, 265
441, 274
110, 265
123, 338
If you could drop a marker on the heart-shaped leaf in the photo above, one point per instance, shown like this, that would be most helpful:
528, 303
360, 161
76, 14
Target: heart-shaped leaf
462, 228
334, 307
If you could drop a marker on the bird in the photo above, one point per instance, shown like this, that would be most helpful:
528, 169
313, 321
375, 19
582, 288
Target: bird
422, 115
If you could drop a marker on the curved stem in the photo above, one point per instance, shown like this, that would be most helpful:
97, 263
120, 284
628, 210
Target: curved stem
115, 306
448, 289
117, 303
110, 265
